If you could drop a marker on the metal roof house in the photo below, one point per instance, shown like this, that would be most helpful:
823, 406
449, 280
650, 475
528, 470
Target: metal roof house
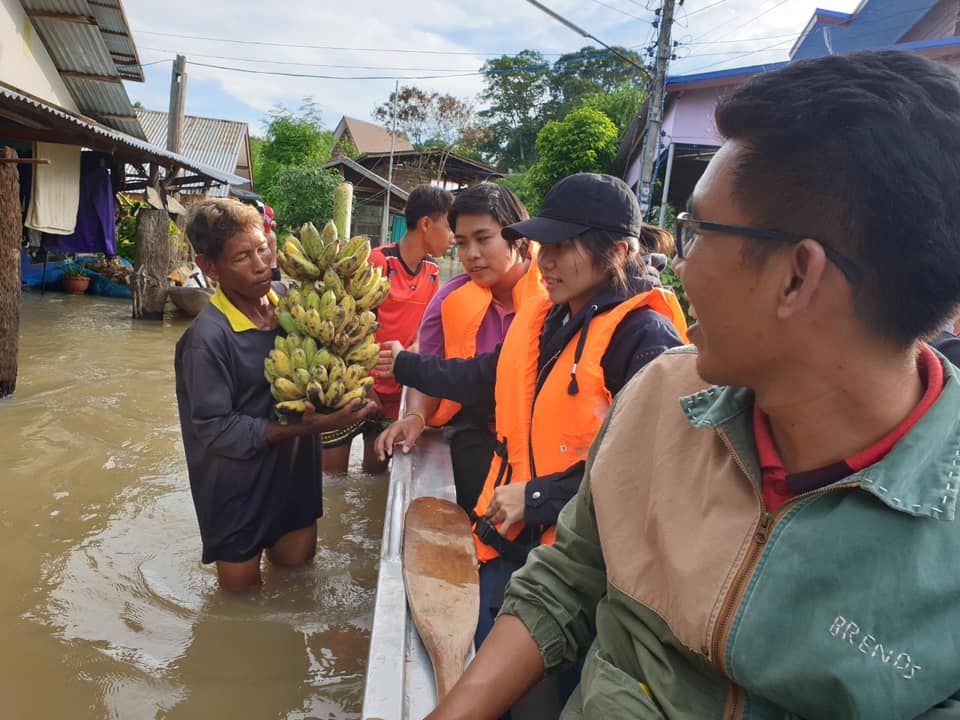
220, 144
93, 51
689, 138
64, 63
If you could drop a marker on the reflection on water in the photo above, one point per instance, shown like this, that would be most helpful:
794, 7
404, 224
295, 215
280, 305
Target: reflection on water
106, 610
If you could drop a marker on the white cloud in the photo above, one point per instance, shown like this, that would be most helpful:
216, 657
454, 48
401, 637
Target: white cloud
495, 27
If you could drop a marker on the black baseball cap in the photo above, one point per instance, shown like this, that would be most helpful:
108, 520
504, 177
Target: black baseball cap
581, 202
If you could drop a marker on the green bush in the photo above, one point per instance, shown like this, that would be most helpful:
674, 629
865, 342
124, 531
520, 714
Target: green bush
301, 194
520, 184
670, 279
584, 141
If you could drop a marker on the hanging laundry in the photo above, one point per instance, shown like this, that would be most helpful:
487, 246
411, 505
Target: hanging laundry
55, 194
96, 229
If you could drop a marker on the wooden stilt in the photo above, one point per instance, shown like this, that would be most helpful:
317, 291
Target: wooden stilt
11, 230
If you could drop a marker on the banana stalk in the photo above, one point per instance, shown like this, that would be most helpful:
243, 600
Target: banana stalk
343, 208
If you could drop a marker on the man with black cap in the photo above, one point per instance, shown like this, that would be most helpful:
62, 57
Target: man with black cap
561, 363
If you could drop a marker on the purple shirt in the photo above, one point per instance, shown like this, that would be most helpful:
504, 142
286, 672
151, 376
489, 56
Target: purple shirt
493, 327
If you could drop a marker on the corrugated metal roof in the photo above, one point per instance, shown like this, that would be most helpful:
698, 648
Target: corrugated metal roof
110, 19
92, 39
118, 38
20, 104
217, 143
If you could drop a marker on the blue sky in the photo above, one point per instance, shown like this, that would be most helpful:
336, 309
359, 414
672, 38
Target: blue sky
712, 35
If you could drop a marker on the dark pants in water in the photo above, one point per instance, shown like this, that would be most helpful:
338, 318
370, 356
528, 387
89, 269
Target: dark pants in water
547, 698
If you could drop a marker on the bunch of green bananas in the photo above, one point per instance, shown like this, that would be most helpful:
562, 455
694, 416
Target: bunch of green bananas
328, 318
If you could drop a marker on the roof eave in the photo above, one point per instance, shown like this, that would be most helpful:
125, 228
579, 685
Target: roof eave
83, 130
718, 78
369, 174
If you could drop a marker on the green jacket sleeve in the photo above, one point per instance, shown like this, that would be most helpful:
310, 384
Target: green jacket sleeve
555, 594
949, 709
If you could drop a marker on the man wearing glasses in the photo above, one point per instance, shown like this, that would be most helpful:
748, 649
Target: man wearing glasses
767, 527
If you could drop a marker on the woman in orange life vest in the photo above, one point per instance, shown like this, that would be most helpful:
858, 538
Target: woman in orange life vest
562, 361
470, 316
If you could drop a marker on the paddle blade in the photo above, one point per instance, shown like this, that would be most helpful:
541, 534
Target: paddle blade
443, 590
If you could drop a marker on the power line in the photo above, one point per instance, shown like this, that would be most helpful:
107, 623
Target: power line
335, 77
741, 40
450, 74
622, 12
732, 54
746, 22
705, 7
301, 64
720, 62
322, 47
580, 31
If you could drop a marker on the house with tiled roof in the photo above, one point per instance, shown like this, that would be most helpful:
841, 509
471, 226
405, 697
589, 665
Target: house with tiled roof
357, 137
384, 170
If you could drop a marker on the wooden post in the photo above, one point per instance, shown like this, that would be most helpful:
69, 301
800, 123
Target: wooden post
178, 95
149, 281
11, 230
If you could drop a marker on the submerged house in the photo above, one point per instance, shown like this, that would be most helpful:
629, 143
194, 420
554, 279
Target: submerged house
66, 113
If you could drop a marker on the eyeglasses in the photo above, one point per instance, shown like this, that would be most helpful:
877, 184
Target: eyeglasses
688, 232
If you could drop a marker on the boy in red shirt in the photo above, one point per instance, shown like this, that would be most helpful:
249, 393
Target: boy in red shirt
414, 279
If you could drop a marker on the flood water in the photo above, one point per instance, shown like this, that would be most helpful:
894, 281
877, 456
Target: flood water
106, 611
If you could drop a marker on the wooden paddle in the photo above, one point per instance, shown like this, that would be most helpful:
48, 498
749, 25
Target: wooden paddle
443, 590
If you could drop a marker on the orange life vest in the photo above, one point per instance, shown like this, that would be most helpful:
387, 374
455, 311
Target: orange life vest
554, 429
461, 315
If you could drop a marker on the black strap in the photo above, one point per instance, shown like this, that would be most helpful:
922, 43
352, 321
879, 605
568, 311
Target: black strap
512, 549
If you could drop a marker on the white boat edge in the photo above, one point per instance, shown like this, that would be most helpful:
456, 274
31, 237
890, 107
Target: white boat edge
400, 683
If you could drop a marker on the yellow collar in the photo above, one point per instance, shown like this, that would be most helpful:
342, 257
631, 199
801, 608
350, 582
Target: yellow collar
238, 321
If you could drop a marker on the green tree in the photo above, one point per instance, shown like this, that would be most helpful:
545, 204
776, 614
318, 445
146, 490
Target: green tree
302, 194
520, 184
429, 119
293, 139
587, 72
296, 146
516, 87
584, 141
621, 105
256, 160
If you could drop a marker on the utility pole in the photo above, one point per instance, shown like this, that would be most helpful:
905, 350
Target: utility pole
651, 143
178, 95
149, 281
385, 222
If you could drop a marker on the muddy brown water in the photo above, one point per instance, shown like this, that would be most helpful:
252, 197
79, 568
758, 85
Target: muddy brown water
106, 611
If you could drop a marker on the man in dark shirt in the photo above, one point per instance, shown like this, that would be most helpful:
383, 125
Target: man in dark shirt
256, 484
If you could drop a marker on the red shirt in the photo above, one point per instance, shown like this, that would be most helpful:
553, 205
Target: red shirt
410, 292
778, 486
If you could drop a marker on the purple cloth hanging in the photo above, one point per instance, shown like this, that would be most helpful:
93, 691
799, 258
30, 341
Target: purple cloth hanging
96, 230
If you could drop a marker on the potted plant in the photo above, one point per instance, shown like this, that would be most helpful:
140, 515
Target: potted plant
75, 281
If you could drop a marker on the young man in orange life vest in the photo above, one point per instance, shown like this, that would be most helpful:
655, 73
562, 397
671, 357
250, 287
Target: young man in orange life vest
414, 275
